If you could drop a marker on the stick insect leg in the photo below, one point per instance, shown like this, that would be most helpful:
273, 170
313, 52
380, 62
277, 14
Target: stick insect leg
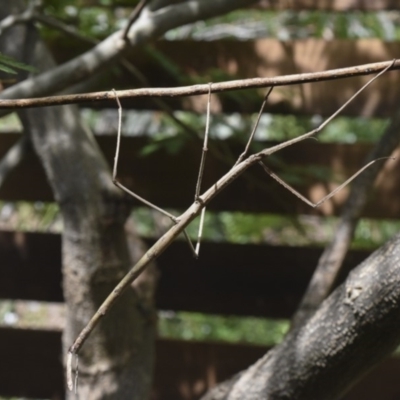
246, 150
310, 135
125, 189
328, 196
201, 172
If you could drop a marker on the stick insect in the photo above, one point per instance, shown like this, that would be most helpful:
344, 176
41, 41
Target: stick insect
180, 223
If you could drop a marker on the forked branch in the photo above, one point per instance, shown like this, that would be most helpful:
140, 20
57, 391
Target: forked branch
187, 217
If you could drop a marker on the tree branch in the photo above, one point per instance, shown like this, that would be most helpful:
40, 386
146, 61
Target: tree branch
328, 354
241, 84
149, 25
133, 17
14, 19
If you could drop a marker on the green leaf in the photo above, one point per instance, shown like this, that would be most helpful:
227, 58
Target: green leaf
7, 69
7, 64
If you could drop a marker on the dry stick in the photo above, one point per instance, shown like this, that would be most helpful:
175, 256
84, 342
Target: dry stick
184, 220
241, 84
133, 17
246, 150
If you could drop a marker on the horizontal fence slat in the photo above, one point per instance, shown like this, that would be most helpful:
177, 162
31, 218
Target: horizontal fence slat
258, 280
330, 5
200, 61
168, 179
32, 367
317, 5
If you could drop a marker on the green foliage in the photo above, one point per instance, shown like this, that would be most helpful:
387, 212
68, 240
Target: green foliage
10, 66
171, 144
287, 25
373, 233
26, 216
194, 326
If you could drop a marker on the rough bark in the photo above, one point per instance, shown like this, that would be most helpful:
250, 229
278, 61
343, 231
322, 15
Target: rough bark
116, 362
353, 329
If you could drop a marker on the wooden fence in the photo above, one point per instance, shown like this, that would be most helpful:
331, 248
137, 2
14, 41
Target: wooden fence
228, 278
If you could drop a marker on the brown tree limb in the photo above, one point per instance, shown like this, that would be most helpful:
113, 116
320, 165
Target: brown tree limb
352, 330
331, 260
183, 221
193, 90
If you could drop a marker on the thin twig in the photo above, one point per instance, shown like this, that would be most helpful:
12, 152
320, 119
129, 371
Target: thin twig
241, 84
246, 150
133, 17
63, 28
185, 219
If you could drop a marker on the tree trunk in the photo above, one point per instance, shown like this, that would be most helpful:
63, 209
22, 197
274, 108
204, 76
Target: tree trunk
117, 361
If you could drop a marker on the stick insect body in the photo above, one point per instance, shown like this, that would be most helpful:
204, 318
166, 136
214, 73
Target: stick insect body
198, 207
